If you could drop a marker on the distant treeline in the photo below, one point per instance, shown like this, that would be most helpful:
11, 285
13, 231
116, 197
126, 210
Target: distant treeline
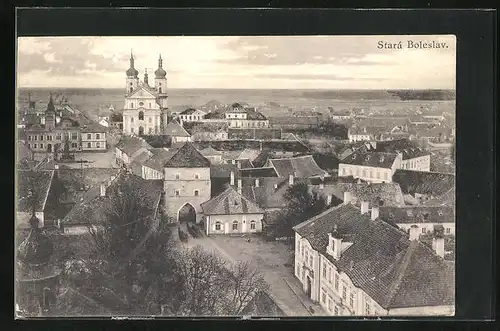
424, 94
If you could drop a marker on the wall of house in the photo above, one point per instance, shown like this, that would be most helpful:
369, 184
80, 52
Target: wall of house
449, 227
370, 174
243, 223
39, 141
307, 266
359, 137
150, 123
150, 173
422, 163
94, 141
180, 185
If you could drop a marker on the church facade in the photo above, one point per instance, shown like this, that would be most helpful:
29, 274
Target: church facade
145, 108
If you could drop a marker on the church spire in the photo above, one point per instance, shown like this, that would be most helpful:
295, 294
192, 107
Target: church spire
146, 76
132, 72
50, 105
160, 62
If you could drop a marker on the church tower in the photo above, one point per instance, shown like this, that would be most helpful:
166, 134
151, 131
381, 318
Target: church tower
50, 115
132, 76
161, 83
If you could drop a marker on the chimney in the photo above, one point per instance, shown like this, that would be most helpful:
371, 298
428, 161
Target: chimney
257, 182
328, 199
414, 233
290, 179
364, 207
438, 241
232, 178
375, 213
239, 186
321, 185
334, 244
103, 190
347, 197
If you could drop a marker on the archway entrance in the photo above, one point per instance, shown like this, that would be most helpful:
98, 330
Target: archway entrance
141, 131
187, 214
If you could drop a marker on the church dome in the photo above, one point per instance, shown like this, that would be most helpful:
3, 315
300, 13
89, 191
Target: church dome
37, 248
160, 73
132, 72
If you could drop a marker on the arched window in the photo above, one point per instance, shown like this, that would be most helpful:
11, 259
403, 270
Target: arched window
196, 193
235, 225
196, 176
131, 89
141, 116
131, 105
252, 225
159, 90
218, 226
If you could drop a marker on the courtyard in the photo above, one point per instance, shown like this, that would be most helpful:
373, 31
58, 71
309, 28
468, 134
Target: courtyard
273, 259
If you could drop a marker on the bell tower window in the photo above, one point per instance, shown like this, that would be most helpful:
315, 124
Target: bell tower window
159, 90
131, 89
141, 116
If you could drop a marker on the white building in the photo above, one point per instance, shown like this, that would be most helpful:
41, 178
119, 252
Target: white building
93, 138
424, 218
373, 167
355, 264
191, 115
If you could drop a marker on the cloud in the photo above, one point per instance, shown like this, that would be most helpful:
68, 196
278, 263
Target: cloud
331, 77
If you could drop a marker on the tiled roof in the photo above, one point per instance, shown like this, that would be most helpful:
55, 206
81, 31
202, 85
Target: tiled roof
371, 159
407, 148
188, 111
245, 164
210, 151
159, 158
223, 170
381, 260
423, 182
417, 214
446, 199
300, 167
187, 157
131, 144
139, 160
254, 115
230, 202
258, 172
42, 181
94, 127
174, 129
389, 194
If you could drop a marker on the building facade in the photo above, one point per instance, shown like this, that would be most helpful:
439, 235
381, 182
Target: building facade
93, 138
370, 167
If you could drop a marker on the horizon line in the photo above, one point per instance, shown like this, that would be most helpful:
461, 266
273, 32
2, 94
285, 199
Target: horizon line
229, 88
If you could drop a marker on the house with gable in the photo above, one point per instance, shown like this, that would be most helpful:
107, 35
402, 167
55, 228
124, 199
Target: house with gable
355, 264
177, 133
129, 148
299, 166
373, 167
186, 182
192, 115
232, 213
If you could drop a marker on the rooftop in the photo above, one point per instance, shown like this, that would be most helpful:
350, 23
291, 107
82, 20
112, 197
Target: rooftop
300, 167
417, 214
230, 202
174, 129
407, 148
33, 187
131, 144
187, 157
382, 261
423, 182
258, 172
371, 159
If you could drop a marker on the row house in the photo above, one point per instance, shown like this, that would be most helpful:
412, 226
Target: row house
354, 264
238, 116
93, 138
424, 219
191, 115
373, 167
412, 156
40, 139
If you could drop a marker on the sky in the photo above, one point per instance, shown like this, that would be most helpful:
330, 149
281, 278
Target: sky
248, 62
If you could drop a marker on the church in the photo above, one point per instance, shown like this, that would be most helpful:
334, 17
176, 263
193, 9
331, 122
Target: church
145, 108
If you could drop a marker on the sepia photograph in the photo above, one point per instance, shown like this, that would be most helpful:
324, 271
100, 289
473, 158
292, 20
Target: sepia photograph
235, 176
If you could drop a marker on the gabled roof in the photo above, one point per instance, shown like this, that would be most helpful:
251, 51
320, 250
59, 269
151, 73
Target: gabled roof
94, 127
174, 129
40, 181
258, 172
159, 158
187, 157
417, 214
371, 159
382, 261
407, 148
210, 151
230, 202
143, 87
131, 144
222, 170
423, 182
300, 167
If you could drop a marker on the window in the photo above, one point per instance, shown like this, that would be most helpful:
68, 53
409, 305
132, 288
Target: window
344, 292
58, 137
424, 230
371, 173
323, 297
297, 271
303, 273
378, 175
385, 176
89, 145
97, 145
41, 145
177, 176
367, 308
150, 130
448, 230
141, 116
217, 226
150, 119
49, 138
324, 269
150, 105
74, 136
29, 137
89, 136
196, 176
132, 130
337, 281
336, 311
74, 145
97, 136
34, 146
131, 105
330, 305
330, 275
131, 120
364, 172
177, 193
141, 104
41, 137
351, 300
35, 137
235, 225
252, 225
196, 193
311, 260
